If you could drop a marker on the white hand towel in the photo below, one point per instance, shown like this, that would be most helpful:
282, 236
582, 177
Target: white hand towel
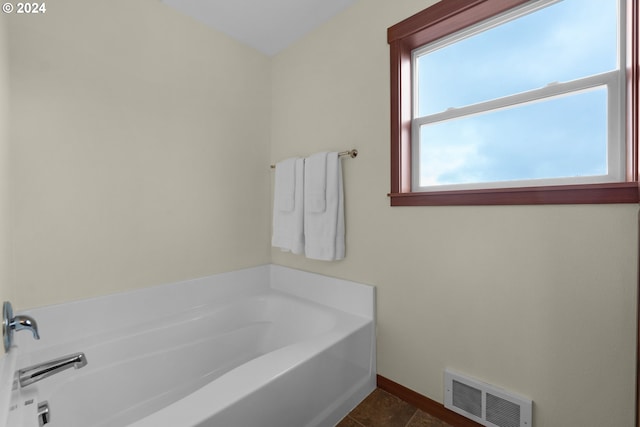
315, 187
288, 212
285, 185
324, 230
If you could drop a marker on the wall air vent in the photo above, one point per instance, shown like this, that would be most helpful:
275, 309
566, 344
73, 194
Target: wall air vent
484, 403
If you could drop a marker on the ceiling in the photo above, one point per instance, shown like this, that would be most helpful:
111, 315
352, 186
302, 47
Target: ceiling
266, 25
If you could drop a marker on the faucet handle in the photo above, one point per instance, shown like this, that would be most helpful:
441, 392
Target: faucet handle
17, 323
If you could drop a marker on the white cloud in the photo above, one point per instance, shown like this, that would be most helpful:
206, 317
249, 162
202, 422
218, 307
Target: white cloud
444, 157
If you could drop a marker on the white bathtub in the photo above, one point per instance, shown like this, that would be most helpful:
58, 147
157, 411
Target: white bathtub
267, 346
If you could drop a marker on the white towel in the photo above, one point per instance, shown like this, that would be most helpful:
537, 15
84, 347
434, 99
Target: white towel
324, 221
315, 183
288, 212
285, 185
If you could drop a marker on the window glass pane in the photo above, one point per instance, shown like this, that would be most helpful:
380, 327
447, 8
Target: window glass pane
562, 42
559, 137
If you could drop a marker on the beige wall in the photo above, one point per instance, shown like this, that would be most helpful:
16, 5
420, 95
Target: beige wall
539, 300
140, 146
4, 165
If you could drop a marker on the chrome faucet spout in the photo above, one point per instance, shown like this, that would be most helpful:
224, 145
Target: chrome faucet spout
38, 372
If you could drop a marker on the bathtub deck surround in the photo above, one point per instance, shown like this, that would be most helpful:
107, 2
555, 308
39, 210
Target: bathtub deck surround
247, 348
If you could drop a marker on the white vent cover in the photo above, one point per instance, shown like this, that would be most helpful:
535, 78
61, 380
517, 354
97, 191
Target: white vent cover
484, 403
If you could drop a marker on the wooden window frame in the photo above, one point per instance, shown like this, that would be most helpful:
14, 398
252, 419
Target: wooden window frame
447, 17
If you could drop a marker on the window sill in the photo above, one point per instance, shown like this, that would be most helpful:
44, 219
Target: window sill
621, 192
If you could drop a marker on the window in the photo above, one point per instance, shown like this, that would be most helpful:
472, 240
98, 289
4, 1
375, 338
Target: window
487, 108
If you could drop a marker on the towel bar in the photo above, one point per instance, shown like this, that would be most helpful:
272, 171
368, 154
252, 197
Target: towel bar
351, 153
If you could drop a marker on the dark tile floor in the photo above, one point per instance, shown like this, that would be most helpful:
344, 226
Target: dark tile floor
382, 409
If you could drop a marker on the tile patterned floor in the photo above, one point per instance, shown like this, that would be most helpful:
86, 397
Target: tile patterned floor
382, 409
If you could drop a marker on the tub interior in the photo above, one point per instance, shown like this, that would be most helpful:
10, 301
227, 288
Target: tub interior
139, 369
137, 372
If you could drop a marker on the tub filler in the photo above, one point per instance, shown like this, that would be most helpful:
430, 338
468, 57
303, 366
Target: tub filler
266, 346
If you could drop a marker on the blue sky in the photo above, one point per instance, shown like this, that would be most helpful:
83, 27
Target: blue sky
560, 137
